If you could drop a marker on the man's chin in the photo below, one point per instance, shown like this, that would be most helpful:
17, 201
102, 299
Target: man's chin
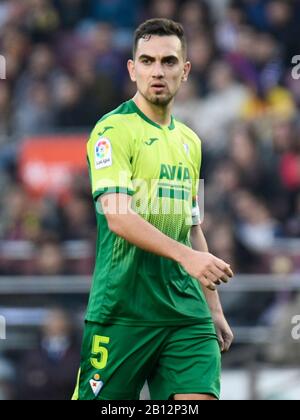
160, 100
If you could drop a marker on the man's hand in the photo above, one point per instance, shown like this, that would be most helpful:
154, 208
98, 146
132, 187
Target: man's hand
208, 269
224, 333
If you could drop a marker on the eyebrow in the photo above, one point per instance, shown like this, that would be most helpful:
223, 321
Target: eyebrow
168, 57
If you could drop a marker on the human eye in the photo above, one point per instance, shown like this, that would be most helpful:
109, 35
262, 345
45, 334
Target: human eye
146, 61
170, 62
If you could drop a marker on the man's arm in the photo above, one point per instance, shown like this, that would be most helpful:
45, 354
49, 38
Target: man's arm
224, 332
124, 222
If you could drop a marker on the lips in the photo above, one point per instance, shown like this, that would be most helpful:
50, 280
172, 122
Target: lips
158, 85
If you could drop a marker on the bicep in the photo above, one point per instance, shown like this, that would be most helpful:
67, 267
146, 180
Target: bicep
114, 205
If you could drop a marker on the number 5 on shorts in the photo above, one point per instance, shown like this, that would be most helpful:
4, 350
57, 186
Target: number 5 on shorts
101, 353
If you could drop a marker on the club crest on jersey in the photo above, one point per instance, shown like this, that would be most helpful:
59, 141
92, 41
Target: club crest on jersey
103, 153
96, 385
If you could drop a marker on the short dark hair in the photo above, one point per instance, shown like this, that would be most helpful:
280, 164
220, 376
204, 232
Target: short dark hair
160, 27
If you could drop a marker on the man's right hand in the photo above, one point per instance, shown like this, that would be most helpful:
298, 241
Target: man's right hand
209, 270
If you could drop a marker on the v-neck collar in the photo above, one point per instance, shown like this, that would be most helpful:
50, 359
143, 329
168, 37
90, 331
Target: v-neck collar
148, 120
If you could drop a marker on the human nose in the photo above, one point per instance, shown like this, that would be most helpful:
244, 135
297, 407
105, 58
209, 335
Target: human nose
158, 72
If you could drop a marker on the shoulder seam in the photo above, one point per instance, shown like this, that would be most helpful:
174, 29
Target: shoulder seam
123, 109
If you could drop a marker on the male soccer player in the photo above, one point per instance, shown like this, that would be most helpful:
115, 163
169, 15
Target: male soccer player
154, 313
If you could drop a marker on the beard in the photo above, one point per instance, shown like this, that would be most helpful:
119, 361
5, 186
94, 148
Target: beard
159, 100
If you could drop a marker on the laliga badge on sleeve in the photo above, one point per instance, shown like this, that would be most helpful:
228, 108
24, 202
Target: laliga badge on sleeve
103, 153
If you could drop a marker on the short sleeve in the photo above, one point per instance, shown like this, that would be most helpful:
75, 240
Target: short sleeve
109, 152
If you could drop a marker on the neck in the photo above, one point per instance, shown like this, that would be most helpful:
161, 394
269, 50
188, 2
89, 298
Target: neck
160, 114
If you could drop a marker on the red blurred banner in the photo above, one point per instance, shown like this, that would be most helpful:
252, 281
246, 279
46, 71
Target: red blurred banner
48, 164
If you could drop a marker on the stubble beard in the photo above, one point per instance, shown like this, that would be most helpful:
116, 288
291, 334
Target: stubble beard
158, 100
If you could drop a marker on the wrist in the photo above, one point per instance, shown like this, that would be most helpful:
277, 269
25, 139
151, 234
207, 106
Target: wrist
217, 313
182, 253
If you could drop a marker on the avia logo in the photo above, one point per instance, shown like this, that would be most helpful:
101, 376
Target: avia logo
105, 130
172, 173
151, 141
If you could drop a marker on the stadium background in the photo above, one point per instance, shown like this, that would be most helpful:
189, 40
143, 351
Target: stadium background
65, 67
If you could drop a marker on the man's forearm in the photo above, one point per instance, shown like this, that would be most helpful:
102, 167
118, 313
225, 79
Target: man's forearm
137, 231
199, 244
127, 224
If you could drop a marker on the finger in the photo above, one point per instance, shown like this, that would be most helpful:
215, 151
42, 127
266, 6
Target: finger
212, 287
225, 268
220, 275
212, 279
229, 271
228, 340
208, 284
227, 345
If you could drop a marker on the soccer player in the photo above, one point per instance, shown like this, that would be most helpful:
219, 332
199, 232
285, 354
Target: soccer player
154, 313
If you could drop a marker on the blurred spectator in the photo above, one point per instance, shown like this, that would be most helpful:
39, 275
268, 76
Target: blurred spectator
73, 110
36, 115
293, 224
42, 20
77, 219
42, 68
8, 381
117, 12
196, 17
256, 228
109, 60
215, 118
15, 47
5, 112
201, 53
163, 8
48, 373
290, 170
227, 32
283, 19
245, 152
49, 259
71, 12
97, 87
222, 243
19, 217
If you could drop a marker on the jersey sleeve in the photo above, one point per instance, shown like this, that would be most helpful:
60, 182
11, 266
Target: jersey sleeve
196, 215
109, 153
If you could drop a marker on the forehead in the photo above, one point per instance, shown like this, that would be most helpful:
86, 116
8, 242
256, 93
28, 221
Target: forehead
159, 46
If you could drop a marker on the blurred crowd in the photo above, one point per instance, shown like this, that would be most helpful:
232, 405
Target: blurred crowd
49, 371
66, 67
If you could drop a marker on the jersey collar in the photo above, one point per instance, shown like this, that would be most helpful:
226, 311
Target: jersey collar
142, 115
